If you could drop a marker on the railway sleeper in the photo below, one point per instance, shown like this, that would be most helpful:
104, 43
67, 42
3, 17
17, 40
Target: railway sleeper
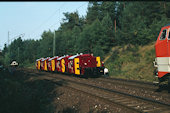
124, 100
146, 107
157, 109
134, 105
129, 102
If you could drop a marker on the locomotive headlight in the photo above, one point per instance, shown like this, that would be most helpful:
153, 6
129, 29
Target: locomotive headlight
85, 63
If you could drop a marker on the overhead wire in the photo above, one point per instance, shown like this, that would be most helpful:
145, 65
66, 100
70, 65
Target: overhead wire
48, 18
59, 17
74, 10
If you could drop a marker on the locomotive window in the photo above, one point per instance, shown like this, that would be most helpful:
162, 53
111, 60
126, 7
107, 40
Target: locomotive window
163, 35
169, 35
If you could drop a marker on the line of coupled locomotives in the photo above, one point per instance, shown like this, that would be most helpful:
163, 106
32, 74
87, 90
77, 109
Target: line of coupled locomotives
162, 60
84, 65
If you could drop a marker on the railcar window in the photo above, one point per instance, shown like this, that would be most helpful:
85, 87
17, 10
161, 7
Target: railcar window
169, 35
163, 35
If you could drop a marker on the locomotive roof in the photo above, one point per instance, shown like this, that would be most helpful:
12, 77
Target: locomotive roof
45, 58
39, 59
53, 58
61, 57
72, 57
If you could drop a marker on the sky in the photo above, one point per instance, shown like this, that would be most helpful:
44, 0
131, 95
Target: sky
30, 19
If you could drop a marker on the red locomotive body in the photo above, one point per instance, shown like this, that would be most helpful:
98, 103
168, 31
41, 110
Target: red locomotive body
41, 63
52, 63
84, 64
49, 65
80, 64
66, 70
44, 63
162, 50
38, 63
62, 64
59, 64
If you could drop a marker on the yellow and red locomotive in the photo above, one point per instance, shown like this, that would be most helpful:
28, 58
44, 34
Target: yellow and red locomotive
38, 63
80, 64
162, 50
84, 64
51, 63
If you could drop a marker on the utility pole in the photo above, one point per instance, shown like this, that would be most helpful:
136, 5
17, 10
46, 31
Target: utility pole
54, 44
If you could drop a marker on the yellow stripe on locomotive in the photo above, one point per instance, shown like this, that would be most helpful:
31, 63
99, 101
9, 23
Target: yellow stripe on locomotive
76, 66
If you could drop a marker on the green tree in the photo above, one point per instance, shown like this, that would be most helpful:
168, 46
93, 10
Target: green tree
46, 44
108, 38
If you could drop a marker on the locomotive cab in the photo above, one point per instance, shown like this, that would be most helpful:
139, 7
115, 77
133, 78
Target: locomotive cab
162, 50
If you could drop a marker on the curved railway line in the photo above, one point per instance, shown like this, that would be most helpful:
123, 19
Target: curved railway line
124, 100
149, 89
129, 101
147, 86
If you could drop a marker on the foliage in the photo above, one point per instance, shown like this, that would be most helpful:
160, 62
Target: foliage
106, 25
131, 62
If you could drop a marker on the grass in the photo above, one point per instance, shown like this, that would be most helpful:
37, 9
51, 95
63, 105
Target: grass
132, 62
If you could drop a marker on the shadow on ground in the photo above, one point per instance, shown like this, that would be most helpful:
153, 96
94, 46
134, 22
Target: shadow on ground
18, 95
163, 87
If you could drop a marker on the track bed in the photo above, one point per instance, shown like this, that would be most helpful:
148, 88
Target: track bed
99, 94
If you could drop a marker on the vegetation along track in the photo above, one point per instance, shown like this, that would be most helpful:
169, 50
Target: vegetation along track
132, 102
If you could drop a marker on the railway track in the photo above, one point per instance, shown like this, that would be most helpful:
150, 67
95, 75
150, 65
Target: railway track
139, 89
147, 88
129, 101
135, 84
130, 81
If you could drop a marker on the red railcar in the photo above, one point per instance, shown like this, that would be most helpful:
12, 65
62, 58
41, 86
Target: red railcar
80, 64
44, 63
49, 66
85, 64
58, 64
41, 64
162, 50
62, 64
65, 69
52, 63
38, 63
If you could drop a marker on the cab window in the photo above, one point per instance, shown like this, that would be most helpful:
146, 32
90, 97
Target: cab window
163, 34
169, 35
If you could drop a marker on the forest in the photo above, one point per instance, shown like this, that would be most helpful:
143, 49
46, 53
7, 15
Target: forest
106, 25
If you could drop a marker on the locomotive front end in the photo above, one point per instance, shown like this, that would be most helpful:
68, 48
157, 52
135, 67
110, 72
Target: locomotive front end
162, 51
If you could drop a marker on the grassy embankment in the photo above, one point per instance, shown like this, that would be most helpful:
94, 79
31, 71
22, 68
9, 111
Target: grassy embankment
131, 62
